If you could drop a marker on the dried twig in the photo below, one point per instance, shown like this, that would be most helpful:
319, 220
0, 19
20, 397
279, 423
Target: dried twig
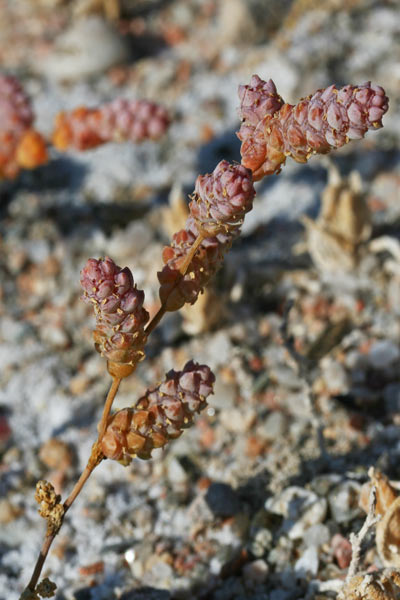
356, 539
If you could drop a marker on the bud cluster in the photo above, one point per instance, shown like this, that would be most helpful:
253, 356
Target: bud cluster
259, 101
20, 145
46, 588
159, 416
328, 119
118, 306
217, 209
222, 198
177, 290
120, 120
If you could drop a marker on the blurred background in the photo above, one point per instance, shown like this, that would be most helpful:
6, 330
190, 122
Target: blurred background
215, 515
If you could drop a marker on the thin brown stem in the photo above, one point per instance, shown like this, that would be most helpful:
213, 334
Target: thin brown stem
107, 406
48, 540
95, 459
182, 272
92, 463
184, 267
156, 319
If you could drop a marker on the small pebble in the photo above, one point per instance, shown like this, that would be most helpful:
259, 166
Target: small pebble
343, 501
223, 396
261, 542
8, 511
342, 550
301, 509
55, 454
317, 535
274, 426
308, 563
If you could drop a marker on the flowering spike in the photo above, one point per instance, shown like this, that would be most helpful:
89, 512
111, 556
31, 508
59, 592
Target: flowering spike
217, 210
319, 123
222, 198
118, 306
20, 145
175, 290
120, 120
158, 416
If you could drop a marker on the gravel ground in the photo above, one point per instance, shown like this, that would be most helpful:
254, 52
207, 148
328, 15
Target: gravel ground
247, 504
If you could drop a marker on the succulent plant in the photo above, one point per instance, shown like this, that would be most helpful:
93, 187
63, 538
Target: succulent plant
177, 290
219, 204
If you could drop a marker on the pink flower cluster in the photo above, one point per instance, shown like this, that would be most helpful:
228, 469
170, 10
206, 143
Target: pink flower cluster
328, 119
222, 198
119, 120
159, 416
175, 290
20, 145
118, 306
217, 209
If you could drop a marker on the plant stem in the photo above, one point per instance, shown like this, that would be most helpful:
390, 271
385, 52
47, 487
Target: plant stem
182, 272
107, 407
156, 319
184, 267
94, 460
356, 540
96, 455
92, 463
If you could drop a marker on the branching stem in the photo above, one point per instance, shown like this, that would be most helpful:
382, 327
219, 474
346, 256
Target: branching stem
96, 455
357, 540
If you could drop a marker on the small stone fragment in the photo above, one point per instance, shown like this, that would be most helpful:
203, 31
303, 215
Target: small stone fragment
342, 550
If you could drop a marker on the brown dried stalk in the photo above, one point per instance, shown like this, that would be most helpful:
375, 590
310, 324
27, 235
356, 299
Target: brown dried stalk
357, 540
